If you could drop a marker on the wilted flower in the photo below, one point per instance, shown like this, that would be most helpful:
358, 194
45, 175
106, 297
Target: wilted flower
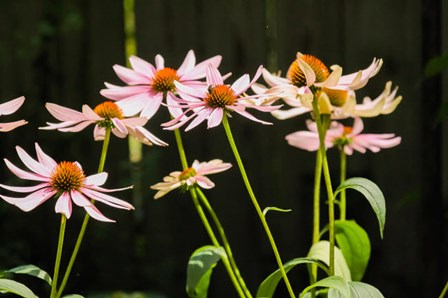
191, 176
105, 115
345, 137
8, 108
148, 84
309, 78
211, 104
65, 180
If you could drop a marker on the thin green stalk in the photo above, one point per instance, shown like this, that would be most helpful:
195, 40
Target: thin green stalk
203, 217
226, 125
86, 217
321, 128
208, 207
316, 212
445, 290
57, 262
343, 175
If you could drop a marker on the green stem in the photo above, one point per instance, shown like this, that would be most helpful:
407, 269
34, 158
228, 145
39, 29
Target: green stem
445, 290
57, 263
321, 128
316, 212
208, 207
86, 217
343, 175
226, 125
203, 217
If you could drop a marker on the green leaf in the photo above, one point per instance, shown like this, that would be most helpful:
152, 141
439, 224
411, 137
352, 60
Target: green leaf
33, 271
338, 283
357, 290
11, 286
321, 251
73, 296
267, 209
354, 243
372, 193
436, 65
268, 286
200, 267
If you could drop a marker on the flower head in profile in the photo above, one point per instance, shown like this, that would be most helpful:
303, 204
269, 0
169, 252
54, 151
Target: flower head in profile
191, 176
64, 180
309, 77
8, 108
147, 84
104, 115
345, 138
210, 104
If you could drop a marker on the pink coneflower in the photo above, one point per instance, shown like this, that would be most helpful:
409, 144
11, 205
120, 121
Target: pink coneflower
149, 84
191, 176
345, 137
65, 180
210, 104
8, 108
104, 115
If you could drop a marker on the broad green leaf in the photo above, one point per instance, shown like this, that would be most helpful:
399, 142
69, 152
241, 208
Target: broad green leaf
321, 251
372, 193
12, 286
267, 209
73, 296
357, 290
338, 283
200, 267
436, 65
354, 243
268, 286
33, 271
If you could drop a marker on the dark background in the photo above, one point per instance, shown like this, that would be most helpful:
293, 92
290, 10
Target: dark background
63, 51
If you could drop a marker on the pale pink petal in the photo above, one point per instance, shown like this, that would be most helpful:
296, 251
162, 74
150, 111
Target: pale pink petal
130, 106
79, 199
99, 133
31, 201
142, 67
129, 76
96, 214
152, 106
213, 76
160, 62
287, 114
118, 93
152, 138
310, 75
187, 64
11, 106
305, 140
273, 80
172, 101
120, 126
358, 126
247, 115
201, 116
134, 121
8, 126
64, 205
96, 179
89, 114
106, 199
215, 118
77, 128
25, 189
44, 159
240, 85
189, 92
204, 182
64, 114
23, 174
199, 70
32, 164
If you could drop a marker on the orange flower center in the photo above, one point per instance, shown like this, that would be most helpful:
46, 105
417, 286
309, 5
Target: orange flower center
108, 110
347, 130
337, 97
220, 97
164, 80
297, 76
186, 174
67, 176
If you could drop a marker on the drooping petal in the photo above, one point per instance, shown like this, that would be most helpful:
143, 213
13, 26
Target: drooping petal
204, 182
8, 126
64, 114
25, 189
79, 199
215, 118
11, 106
24, 174
142, 133
64, 205
305, 140
152, 106
106, 199
33, 164
96, 179
32, 200
96, 214
118, 93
